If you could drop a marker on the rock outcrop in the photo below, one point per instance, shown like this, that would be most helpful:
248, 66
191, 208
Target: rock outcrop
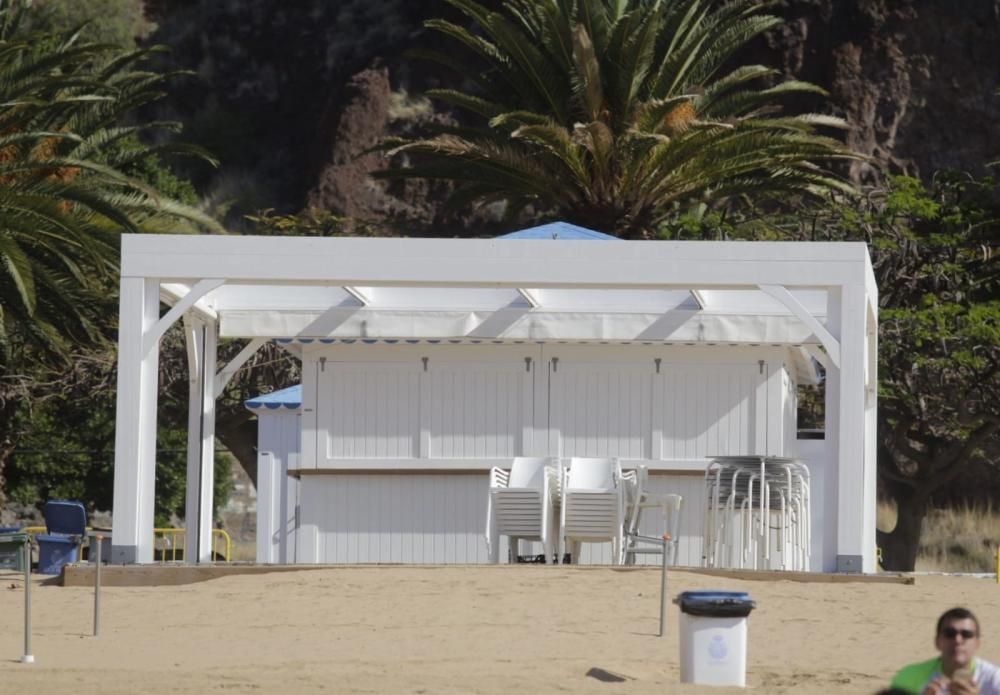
916, 80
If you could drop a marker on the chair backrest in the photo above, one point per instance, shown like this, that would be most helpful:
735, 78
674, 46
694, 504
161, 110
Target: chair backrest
672, 513
65, 517
528, 472
591, 473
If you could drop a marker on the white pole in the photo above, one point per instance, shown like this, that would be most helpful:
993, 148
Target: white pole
27, 657
97, 587
663, 586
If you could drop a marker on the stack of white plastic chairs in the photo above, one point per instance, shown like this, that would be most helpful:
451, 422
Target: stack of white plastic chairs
757, 513
522, 506
593, 506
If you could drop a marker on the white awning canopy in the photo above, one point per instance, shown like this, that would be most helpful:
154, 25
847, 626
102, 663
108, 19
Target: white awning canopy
508, 289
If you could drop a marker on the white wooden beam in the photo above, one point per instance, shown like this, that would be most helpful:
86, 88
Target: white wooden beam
699, 298
795, 306
819, 355
223, 378
529, 297
510, 263
171, 293
358, 294
153, 335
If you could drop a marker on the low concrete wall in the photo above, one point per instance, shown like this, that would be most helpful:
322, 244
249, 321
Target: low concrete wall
162, 575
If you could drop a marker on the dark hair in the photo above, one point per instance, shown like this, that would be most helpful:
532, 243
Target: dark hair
956, 614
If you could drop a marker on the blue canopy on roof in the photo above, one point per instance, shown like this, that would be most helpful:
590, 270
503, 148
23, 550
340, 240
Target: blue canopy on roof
558, 230
290, 398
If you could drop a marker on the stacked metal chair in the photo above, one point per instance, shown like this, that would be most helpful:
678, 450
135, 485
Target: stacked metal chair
757, 513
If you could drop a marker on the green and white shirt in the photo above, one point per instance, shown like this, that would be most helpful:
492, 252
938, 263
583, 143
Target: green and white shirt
915, 677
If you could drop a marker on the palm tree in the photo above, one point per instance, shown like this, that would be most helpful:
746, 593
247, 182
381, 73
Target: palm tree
65, 196
612, 112
64, 191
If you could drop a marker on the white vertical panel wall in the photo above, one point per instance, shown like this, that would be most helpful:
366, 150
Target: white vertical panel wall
478, 410
368, 410
660, 411
422, 518
440, 518
600, 409
468, 407
278, 445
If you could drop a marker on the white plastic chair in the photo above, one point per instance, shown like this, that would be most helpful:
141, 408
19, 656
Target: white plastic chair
521, 506
640, 497
593, 506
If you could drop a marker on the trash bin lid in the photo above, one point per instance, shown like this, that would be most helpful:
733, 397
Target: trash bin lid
716, 604
17, 538
63, 516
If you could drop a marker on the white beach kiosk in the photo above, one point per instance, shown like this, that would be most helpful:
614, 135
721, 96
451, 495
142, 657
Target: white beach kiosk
425, 362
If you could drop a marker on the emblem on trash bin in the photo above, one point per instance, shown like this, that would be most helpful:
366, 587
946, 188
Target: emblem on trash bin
717, 647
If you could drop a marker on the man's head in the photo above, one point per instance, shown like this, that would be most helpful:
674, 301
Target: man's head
957, 638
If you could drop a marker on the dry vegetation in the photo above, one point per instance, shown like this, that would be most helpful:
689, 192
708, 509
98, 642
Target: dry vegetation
953, 540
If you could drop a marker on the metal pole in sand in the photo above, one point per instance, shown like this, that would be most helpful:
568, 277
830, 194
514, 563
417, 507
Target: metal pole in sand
663, 586
27, 657
97, 586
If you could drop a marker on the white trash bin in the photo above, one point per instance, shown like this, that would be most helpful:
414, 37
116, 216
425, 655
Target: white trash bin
713, 637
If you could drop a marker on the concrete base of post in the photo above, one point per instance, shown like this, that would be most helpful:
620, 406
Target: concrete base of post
27, 659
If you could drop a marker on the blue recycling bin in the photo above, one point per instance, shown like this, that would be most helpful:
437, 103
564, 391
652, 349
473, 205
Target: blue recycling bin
56, 551
66, 523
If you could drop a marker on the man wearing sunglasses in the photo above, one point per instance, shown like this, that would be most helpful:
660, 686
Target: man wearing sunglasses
956, 671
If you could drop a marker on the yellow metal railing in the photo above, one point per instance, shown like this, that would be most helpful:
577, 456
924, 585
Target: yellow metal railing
169, 541
33, 531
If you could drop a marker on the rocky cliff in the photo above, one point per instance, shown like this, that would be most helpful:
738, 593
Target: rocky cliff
916, 79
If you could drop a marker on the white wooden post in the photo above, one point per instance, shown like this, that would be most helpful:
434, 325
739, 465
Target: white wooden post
846, 430
202, 343
268, 489
775, 370
135, 425
871, 435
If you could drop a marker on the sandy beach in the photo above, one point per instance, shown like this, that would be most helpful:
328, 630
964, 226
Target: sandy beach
501, 629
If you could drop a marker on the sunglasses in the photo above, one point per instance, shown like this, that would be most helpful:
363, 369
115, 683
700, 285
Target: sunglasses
952, 633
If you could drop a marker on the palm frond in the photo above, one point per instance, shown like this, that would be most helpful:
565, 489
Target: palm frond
622, 109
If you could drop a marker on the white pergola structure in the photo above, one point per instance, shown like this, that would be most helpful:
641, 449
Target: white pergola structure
820, 296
